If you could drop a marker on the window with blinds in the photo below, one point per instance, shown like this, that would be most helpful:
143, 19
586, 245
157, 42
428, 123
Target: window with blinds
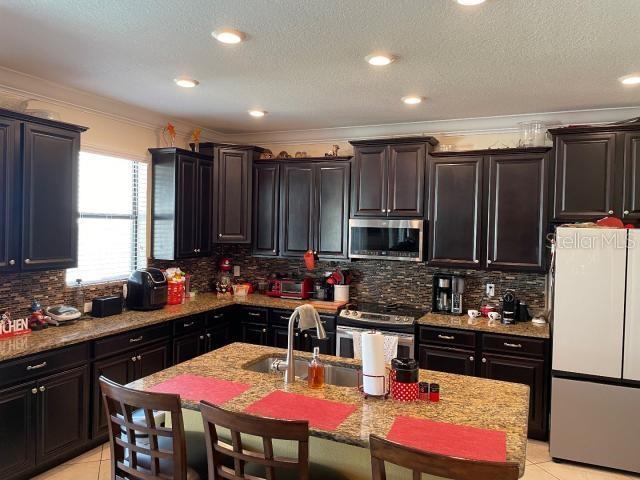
112, 223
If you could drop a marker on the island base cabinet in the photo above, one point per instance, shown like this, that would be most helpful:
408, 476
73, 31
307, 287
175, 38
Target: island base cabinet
17, 446
528, 371
444, 359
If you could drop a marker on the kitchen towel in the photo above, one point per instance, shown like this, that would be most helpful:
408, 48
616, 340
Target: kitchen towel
196, 388
321, 414
356, 337
373, 363
390, 348
308, 316
448, 439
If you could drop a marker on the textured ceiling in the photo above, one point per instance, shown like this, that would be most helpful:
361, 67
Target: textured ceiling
303, 59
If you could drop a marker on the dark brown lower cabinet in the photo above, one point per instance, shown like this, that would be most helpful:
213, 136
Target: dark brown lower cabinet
218, 336
445, 359
528, 371
17, 429
280, 336
188, 347
327, 345
254, 333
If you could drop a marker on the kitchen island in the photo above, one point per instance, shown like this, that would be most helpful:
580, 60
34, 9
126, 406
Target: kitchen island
464, 400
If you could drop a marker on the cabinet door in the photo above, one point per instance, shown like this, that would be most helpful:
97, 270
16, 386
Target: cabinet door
280, 337
327, 345
516, 225
406, 180
369, 186
63, 413
17, 427
584, 176
450, 360
255, 334
631, 197
9, 217
152, 359
187, 207
49, 198
332, 196
120, 369
455, 211
188, 347
205, 208
218, 336
527, 371
266, 189
233, 184
296, 209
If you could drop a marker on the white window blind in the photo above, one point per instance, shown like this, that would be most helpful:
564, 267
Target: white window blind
112, 223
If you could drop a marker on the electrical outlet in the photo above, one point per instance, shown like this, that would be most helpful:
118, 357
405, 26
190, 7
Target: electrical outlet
87, 307
491, 289
236, 270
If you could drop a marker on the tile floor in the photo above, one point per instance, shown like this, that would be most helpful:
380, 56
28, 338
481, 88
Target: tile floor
94, 465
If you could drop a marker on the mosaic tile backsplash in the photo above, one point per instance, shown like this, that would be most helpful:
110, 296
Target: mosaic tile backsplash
373, 281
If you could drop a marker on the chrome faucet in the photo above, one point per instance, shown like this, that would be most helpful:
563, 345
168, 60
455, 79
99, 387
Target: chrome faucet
307, 317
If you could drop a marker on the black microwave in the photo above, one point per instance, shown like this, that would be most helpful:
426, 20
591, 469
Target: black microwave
386, 239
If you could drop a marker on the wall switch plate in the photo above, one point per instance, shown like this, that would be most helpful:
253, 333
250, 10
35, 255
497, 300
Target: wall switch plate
87, 307
236, 270
491, 289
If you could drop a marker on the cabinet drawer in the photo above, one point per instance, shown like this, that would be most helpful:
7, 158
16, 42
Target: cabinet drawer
131, 339
513, 345
188, 324
43, 363
446, 336
329, 322
255, 315
280, 317
221, 315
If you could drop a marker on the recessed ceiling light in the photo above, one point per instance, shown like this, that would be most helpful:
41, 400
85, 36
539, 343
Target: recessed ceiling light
379, 59
186, 82
257, 113
632, 79
470, 2
228, 36
412, 99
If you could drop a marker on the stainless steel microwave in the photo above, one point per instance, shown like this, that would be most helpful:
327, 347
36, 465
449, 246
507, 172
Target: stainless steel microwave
386, 239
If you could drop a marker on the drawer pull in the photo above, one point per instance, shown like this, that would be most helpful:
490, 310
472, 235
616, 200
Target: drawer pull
36, 367
137, 339
34, 390
42, 388
283, 317
446, 337
219, 315
188, 324
254, 314
512, 345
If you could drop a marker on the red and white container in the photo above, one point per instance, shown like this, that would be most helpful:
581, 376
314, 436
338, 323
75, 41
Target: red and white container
404, 379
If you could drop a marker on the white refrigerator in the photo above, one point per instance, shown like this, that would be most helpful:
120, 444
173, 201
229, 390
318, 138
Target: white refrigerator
595, 388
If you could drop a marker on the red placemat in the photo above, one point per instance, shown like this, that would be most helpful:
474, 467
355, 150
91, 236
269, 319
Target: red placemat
448, 439
196, 388
322, 414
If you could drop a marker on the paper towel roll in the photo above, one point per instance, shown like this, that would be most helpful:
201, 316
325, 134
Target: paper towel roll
373, 363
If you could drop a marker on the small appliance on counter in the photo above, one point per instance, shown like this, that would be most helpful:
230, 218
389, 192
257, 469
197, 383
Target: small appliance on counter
514, 310
296, 289
106, 306
62, 314
447, 294
146, 289
274, 288
404, 379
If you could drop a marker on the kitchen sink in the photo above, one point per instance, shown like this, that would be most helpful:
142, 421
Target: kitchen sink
338, 375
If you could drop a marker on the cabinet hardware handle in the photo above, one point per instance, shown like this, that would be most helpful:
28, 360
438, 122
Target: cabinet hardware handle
188, 324
471, 358
133, 359
610, 212
201, 337
446, 337
264, 330
208, 335
274, 251
42, 388
476, 261
36, 367
219, 315
12, 262
489, 261
512, 345
27, 260
306, 335
137, 339
253, 314
283, 317
626, 212
220, 235
34, 390
139, 357
484, 360
297, 334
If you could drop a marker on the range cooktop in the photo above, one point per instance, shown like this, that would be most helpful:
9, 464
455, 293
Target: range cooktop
375, 313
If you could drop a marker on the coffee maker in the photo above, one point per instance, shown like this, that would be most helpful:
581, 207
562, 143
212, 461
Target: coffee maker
447, 294
509, 307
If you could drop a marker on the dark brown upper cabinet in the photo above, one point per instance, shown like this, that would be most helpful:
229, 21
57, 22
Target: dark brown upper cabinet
517, 213
631, 196
182, 204
455, 211
314, 205
39, 180
266, 196
389, 177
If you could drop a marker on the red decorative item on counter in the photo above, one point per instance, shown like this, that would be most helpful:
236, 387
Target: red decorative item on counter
404, 379
486, 309
434, 392
175, 293
10, 328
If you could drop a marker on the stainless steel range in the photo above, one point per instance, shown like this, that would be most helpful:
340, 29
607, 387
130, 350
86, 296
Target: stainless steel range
390, 319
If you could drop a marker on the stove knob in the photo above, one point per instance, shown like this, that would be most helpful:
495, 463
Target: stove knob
346, 313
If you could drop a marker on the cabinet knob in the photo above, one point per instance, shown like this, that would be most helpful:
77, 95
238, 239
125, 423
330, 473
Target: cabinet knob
34, 390
201, 337
220, 235
297, 334
306, 335
42, 388
610, 212
274, 251
133, 359
484, 360
471, 358
489, 261
139, 357
12, 262
27, 260
626, 212
476, 261
208, 335
264, 330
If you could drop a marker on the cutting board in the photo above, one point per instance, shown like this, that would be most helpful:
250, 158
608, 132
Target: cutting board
327, 305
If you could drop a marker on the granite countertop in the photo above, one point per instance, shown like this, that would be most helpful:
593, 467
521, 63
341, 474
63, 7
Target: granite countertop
522, 329
464, 400
93, 328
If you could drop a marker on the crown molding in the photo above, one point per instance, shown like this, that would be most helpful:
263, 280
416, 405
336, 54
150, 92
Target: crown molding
440, 128
31, 87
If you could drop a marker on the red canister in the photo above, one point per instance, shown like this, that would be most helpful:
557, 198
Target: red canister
404, 379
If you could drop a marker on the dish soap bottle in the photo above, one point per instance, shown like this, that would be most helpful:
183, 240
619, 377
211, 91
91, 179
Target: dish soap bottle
315, 375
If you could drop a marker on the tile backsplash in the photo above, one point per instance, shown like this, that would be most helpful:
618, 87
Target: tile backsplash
373, 281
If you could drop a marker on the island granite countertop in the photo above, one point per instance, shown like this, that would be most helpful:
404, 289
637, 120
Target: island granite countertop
93, 328
464, 400
481, 324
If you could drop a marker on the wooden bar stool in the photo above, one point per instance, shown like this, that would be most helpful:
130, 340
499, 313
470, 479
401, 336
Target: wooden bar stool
431, 463
142, 449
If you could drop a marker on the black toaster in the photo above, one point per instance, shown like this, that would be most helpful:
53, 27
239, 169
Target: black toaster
106, 306
146, 289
